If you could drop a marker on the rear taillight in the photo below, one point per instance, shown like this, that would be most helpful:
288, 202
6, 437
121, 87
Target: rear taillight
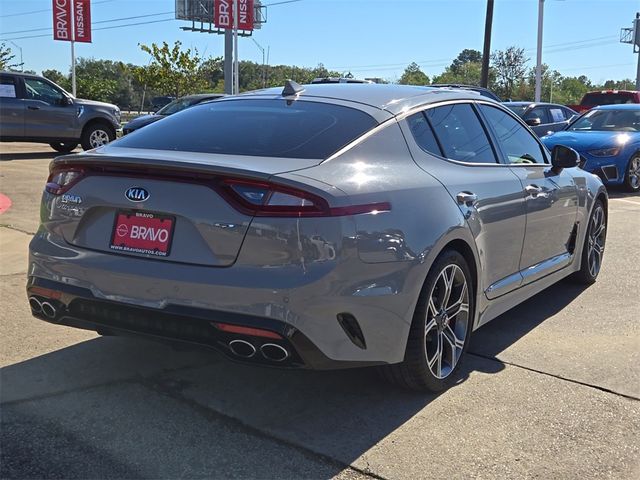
265, 199
62, 179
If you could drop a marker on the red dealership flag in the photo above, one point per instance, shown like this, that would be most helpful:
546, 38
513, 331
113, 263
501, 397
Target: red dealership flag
245, 14
82, 20
223, 14
62, 20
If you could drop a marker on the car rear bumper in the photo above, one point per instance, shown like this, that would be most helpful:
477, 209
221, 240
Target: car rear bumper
302, 304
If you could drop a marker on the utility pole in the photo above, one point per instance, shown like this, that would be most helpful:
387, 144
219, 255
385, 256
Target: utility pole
228, 62
632, 36
486, 51
236, 79
538, 93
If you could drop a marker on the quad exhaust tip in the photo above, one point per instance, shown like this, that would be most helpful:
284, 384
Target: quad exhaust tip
242, 348
274, 352
45, 307
49, 310
35, 304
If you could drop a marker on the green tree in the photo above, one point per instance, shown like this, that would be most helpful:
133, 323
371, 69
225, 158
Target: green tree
58, 78
413, 76
465, 57
6, 58
510, 67
172, 70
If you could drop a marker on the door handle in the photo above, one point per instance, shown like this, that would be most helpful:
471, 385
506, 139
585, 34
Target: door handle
466, 198
533, 190
33, 107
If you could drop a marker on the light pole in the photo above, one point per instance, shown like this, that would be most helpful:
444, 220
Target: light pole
19, 48
539, 52
264, 68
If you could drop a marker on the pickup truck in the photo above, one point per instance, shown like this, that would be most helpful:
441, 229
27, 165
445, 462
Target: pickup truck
606, 97
34, 109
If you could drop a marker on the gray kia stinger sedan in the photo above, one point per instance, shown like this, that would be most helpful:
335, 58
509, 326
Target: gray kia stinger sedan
318, 226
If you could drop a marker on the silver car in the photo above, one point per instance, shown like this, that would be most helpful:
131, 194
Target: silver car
323, 226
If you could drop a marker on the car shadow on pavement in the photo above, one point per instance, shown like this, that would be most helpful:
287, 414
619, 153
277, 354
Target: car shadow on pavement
502, 332
119, 386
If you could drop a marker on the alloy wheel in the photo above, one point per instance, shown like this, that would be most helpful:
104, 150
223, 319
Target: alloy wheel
634, 173
595, 243
447, 321
98, 138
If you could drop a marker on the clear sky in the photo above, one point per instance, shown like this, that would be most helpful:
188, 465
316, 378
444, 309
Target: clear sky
370, 38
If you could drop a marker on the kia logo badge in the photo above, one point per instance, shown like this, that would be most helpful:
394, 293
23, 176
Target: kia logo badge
137, 194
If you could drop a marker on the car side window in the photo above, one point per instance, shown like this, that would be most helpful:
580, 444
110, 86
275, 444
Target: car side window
38, 90
517, 143
568, 113
423, 133
8, 87
557, 115
460, 133
538, 112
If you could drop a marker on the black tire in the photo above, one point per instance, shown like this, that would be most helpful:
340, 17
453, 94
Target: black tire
415, 372
64, 147
96, 135
632, 174
589, 271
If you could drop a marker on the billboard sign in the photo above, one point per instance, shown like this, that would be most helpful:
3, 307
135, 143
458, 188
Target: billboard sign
82, 21
62, 20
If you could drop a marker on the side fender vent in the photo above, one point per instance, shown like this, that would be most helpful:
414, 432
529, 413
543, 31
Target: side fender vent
352, 328
571, 244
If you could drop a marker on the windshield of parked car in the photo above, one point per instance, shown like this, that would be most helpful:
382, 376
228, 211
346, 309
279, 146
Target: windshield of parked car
176, 106
267, 128
608, 120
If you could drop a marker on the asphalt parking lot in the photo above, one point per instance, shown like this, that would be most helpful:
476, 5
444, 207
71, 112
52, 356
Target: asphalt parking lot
551, 389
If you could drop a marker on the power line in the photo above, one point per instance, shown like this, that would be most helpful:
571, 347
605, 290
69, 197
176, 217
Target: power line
96, 29
553, 48
93, 23
281, 3
45, 10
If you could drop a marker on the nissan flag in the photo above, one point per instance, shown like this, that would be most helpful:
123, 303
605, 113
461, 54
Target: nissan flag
82, 21
62, 20
223, 14
68, 14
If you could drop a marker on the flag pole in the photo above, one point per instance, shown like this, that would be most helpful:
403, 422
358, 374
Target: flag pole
73, 68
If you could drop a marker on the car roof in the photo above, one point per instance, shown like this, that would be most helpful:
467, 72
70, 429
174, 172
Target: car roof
524, 103
394, 99
619, 106
196, 96
20, 74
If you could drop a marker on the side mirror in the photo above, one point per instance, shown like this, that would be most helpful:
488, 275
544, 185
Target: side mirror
564, 157
533, 121
66, 101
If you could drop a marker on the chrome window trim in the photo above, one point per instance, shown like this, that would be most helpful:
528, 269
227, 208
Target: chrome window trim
395, 120
422, 108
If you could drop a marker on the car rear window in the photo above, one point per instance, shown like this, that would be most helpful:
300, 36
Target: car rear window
595, 99
269, 128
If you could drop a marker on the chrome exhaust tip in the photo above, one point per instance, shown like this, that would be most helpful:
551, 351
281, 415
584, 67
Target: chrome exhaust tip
242, 348
36, 306
274, 352
49, 310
